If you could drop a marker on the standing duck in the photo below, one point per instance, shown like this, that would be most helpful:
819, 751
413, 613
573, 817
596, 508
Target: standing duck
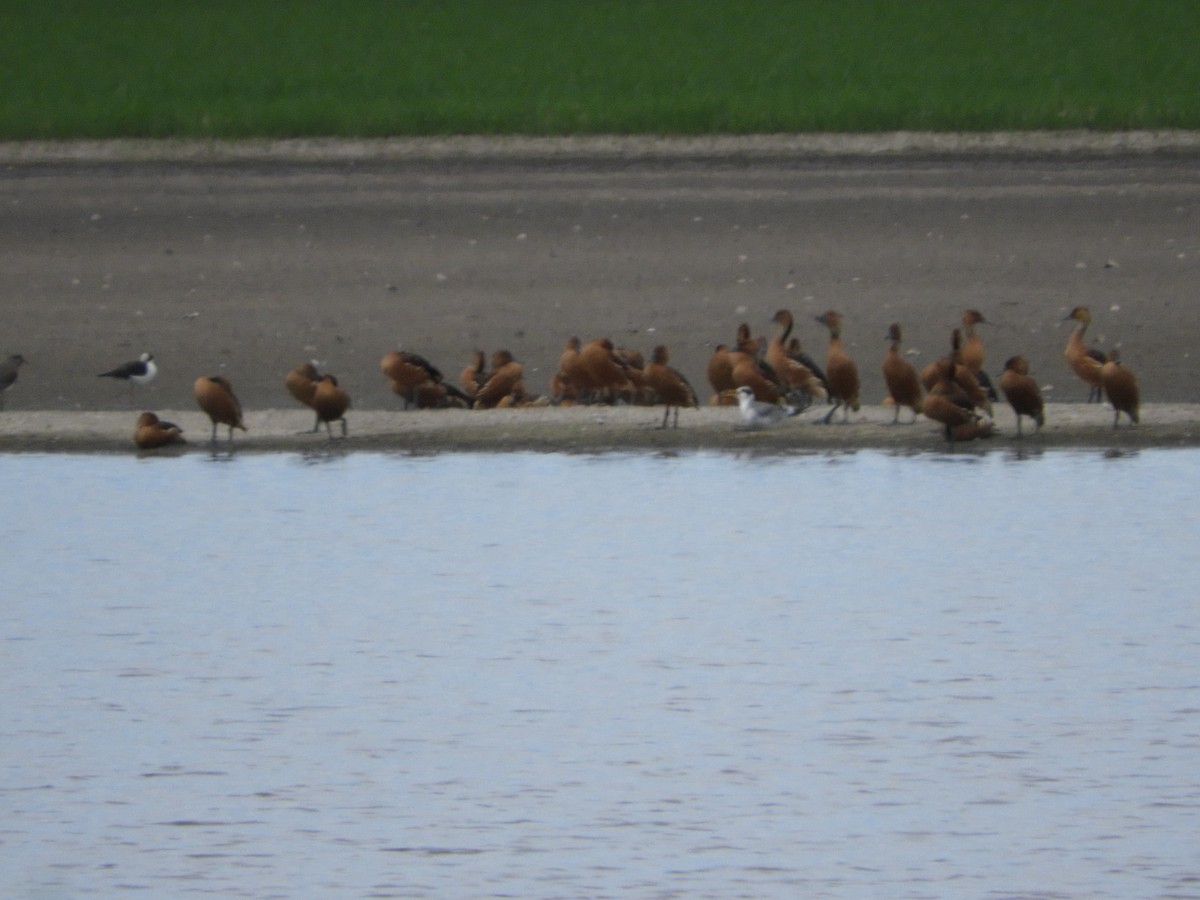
1084, 361
301, 383
215, 397
840, 369
900, 376
796, 369
1120, 386
1022, 392
668, 384
330, 403
974, 352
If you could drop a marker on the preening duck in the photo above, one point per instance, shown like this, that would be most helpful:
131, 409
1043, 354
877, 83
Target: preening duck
1022, 392
215, 397
669, 385
1121, 387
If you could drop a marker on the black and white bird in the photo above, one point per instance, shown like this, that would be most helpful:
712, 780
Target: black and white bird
8, 374
757, 414
140, 371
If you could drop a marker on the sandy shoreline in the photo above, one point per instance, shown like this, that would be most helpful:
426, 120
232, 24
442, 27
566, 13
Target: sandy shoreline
597, 430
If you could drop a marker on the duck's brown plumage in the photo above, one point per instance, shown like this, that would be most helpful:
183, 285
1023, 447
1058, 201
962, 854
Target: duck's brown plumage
301, 383
1121, 388
505, 378
601, 372
963, 376
791, 367
950, 405
1083, 360
330, 403
669, 385
215, 397
474, 375
719, 372
1022, 392
900, 377
840, 369
151, 432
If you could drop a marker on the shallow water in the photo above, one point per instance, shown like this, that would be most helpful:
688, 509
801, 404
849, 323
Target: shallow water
626, 675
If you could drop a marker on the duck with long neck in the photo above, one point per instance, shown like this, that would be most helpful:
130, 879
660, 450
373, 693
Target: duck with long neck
840, 370
1084, 361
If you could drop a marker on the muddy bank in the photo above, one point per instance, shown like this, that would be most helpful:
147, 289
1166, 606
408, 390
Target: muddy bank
596, 430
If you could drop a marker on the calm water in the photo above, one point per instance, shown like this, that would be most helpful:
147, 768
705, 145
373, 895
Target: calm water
857, 675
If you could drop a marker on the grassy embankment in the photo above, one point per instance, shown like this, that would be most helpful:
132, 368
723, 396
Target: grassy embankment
243, 68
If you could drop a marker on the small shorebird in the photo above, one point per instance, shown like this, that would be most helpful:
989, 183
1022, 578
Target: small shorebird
839, 369
901, 378
330, 403
140, 371
1022, 392
757, 414
8, 374
668, 384
215, 397
1120, 387
1084, 361
151, 432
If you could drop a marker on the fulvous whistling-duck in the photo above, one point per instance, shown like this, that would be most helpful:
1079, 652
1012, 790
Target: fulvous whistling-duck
474, 375
948, 403
719, 372
432, 395
1120, 387
795, 369
634, 363
330, 403
215, 397
1022, 392
965, 378
301, 383
1084, 361
973, 351
900, 377
757, 414
601, 372
415, 379
840, 369
668, 384
747, 370
8, 374
506, 377
151, 432
140, 371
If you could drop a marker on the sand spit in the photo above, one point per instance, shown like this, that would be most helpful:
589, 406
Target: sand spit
597, 430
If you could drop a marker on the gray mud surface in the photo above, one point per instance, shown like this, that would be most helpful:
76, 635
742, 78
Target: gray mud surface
247, 259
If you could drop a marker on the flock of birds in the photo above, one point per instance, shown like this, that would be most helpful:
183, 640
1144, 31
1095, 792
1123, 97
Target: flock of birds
769, 379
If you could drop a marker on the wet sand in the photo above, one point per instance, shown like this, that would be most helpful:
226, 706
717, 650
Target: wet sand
246, 259
598, 430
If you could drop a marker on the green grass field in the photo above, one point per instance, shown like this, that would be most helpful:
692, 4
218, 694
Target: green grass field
242, 68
